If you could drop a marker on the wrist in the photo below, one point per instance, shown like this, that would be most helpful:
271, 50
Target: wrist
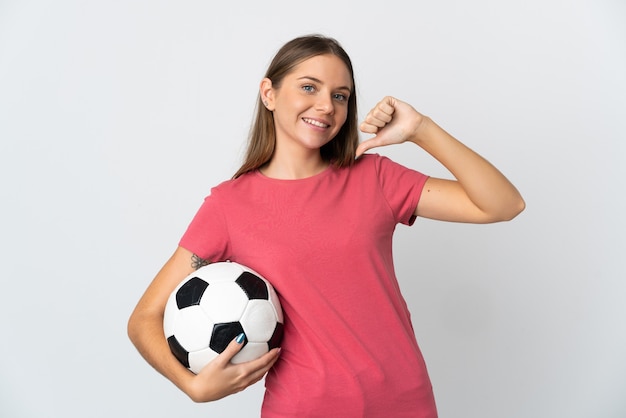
188, 384
193, 390
423, 126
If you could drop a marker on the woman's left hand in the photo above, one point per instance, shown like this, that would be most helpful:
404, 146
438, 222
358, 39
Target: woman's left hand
392, 122
479, 194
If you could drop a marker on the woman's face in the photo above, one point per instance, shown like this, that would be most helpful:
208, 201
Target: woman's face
311, 104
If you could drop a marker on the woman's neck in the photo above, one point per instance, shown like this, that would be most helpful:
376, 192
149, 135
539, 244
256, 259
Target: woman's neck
290, 168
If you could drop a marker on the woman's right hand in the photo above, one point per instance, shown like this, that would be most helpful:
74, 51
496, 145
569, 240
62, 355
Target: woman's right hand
217, 379
220, 377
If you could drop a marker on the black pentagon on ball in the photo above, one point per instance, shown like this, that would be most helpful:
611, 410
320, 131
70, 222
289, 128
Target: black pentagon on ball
277, 336
223, 334
253, 286
179, 352
191, 292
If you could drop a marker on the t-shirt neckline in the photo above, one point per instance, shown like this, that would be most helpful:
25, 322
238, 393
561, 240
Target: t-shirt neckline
319, 175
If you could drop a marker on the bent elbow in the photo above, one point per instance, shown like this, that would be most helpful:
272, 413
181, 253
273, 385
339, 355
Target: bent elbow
505, 212
132, 328
514, 209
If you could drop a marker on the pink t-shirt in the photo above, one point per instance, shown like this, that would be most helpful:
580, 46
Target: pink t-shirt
325, 243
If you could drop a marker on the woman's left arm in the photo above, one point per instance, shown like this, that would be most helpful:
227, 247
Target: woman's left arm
480, 193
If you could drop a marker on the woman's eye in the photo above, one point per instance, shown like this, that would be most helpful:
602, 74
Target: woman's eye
340, 97
308, 88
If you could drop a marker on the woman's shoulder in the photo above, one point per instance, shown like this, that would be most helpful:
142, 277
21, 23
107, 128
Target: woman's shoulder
234, 184
367, 161
368, 167
385, 167
374, 161
228, 188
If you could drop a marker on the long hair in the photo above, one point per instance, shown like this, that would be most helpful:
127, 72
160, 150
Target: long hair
341, 150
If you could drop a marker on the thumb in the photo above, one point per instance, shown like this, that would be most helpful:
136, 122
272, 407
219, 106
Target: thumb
233, 348
368, 144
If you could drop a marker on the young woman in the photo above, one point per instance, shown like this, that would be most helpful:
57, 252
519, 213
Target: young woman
314, 214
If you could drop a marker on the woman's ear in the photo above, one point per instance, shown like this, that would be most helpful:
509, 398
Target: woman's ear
267, 93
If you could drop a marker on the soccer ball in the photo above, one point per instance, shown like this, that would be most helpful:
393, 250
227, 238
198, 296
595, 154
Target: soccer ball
216, 303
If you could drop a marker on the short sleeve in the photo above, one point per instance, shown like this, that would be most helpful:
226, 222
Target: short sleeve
207, 234
402, 188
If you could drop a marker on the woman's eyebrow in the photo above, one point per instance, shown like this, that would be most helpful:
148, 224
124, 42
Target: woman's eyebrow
316, 80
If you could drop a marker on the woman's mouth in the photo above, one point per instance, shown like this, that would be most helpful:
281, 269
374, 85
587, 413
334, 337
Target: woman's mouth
315, 123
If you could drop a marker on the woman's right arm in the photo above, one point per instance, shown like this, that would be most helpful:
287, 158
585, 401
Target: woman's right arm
220, 377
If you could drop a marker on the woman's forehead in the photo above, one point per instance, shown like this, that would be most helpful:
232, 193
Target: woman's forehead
327, 68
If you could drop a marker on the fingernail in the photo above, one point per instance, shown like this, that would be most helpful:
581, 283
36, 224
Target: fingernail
240, 338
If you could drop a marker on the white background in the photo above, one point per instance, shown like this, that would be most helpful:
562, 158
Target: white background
116, 118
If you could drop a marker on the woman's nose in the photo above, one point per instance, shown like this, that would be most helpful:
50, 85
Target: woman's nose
325, 104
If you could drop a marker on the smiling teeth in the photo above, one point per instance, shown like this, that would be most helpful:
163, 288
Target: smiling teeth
316, 123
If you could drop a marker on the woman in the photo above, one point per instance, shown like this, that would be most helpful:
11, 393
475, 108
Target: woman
314, 214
